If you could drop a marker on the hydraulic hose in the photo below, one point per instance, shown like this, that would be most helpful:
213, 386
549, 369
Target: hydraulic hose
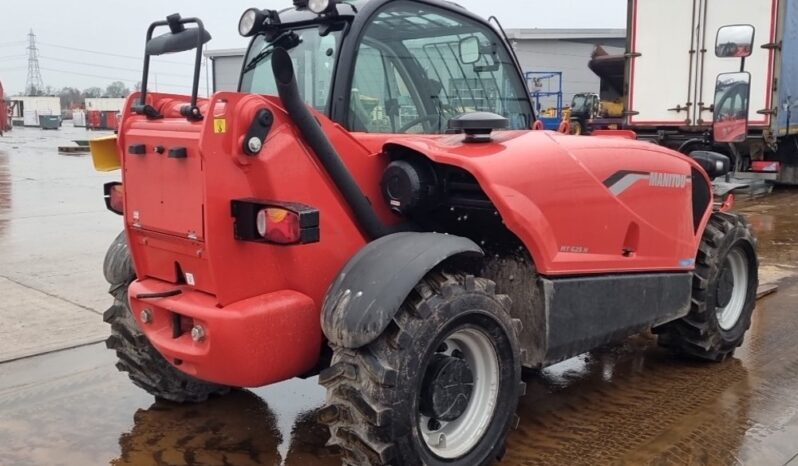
287, 88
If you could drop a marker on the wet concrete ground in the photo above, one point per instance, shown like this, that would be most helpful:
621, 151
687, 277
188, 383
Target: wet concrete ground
53, 230
627, 404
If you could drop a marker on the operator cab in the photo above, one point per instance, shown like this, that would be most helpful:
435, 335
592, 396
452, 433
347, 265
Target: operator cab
388, 66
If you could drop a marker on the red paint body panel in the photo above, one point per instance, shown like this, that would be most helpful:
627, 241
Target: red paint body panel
548, 188
263, 301
5, 118
185, 224
254, 342
764, 166
730, 130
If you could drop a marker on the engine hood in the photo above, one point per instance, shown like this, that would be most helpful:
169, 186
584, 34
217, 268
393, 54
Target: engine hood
558, 193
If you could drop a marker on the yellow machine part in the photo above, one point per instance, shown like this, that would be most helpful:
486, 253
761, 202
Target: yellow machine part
613, 109
104, 154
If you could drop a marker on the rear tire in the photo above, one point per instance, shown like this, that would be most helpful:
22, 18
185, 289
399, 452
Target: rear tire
392, 402
142, 362
725, 285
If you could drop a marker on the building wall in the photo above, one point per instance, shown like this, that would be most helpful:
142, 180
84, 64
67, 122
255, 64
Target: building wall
569, 57
226, 71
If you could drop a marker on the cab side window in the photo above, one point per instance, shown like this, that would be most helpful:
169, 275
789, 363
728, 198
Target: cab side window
411, 77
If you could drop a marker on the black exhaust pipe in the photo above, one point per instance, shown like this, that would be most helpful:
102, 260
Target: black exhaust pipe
283, 69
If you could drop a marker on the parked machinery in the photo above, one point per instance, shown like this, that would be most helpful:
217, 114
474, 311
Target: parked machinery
308, 224
589, 112
545, 87
603, 110
102, 119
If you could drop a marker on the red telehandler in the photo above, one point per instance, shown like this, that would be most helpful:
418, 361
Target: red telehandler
372, 207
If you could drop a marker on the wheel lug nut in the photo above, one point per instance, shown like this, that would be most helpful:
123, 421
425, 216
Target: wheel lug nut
146, 316
433, 424
198, 333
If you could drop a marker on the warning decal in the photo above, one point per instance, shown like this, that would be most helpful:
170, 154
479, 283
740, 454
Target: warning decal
219, 125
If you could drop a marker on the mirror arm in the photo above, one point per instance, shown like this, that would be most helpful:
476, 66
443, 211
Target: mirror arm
176, 25
193, 112
141, 107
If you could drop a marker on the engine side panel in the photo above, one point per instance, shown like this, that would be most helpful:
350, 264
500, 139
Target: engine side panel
583, 205
584, 313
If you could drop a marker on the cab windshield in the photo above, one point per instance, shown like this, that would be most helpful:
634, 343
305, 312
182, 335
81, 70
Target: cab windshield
313, 55
420, 66
579, 103
415, 68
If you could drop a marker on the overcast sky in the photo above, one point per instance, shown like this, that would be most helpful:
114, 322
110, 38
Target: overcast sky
116, 30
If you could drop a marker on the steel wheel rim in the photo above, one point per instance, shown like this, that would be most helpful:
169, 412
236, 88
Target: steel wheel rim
729, 315
455, 439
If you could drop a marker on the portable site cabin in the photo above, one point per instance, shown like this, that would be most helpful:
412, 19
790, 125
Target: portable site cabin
105, 104
32, 107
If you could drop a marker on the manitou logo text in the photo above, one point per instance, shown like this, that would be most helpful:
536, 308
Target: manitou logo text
667, 180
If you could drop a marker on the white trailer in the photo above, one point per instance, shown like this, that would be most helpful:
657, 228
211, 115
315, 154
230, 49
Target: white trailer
672, 67
32, 107
105, 104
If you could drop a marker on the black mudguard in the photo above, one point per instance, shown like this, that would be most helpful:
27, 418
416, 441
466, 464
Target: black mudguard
371, 288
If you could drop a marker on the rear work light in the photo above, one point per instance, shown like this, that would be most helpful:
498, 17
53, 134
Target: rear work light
114, 197
273, 222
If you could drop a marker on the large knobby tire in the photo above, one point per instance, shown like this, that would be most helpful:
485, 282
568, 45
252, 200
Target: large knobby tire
142, 362
725, 285
448, 364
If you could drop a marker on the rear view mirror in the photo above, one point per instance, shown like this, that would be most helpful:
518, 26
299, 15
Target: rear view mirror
178, 39
731, 107
469, 50
182, 41
734, 41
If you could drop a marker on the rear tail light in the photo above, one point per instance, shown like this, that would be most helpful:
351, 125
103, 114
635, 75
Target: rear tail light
114, 197
275, 222
279, 225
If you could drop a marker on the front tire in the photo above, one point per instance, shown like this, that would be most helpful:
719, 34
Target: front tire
576, 128
725, 285
439, 387
144, 365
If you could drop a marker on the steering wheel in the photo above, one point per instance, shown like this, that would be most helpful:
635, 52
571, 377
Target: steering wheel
419, 120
